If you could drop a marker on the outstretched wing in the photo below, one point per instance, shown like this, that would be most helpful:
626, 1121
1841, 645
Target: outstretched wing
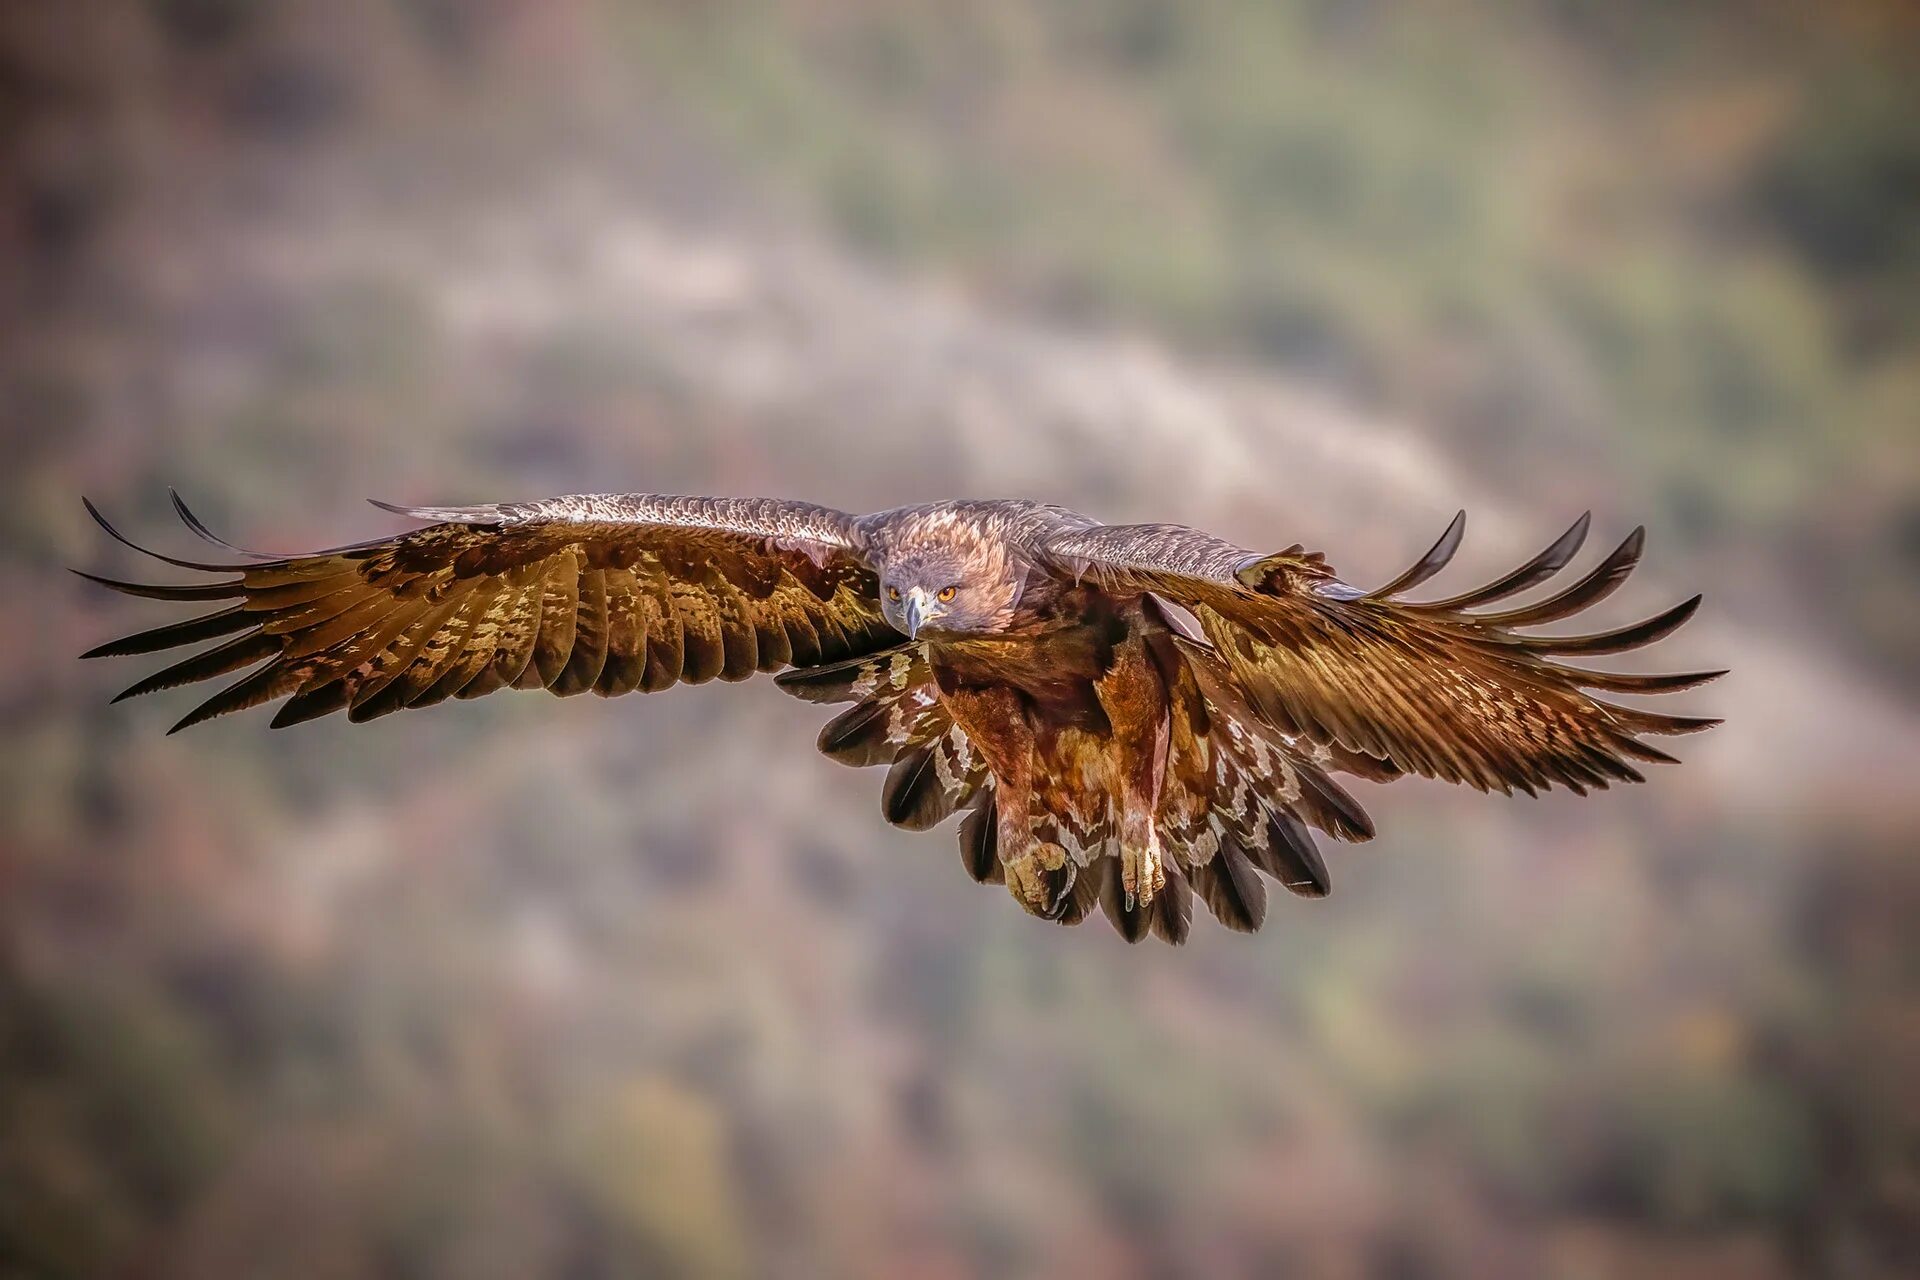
608, 593
1441, 688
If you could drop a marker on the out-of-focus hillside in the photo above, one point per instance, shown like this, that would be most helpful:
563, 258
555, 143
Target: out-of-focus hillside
527, 987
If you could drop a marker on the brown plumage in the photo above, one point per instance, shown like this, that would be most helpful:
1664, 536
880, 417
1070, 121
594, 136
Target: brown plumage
1034, 671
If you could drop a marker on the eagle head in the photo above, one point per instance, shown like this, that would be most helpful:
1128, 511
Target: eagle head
956, 584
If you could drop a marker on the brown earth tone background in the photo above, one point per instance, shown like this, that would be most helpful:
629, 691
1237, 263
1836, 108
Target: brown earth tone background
645, 987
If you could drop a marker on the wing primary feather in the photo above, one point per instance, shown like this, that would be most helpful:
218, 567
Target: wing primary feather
311, 704
475, 651
125, 541
1543, 566
365, 646
194, 523
1631, 637
1638, 721
242, 651
1427, 565
305, 618
233, 590
288, 597
267, 683
1621, 682
192, 631
1602, 582
1630, 746
324, 634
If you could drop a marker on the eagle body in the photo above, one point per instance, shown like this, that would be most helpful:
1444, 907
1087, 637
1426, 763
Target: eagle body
1124, 717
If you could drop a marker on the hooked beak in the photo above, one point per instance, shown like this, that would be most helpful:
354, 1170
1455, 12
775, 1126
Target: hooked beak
918, 610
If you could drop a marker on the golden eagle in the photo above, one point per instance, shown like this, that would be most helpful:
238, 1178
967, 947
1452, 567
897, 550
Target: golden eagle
1126, 715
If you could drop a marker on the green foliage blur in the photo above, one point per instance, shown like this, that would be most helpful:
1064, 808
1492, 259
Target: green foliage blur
646, 988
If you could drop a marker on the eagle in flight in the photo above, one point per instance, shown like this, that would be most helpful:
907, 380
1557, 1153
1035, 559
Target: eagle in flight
1126, 716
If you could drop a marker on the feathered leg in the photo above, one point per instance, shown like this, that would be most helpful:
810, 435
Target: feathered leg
1038, 872
1135, 701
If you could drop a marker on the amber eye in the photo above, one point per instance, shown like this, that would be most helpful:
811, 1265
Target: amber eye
946, 594
893, 593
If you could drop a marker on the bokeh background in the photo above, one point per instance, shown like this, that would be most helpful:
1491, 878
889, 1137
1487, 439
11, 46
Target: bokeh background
645, 987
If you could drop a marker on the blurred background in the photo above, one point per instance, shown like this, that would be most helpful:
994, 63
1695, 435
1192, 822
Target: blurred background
645, 987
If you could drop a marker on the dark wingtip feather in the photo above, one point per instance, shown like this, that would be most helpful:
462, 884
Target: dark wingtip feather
311, 705
206, 627
1623, 682
200, 529
1658, 627
241, 651
1602, 581
1629, 746
1437, 558
122, 538
1543, 566
229, 590
1674, 725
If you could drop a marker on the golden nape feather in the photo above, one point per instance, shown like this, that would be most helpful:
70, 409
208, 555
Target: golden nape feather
1100, 749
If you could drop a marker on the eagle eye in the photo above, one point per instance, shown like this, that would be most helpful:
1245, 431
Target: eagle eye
893, 593
945, 595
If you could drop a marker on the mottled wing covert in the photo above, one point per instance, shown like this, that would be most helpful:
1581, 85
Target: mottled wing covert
608, 593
